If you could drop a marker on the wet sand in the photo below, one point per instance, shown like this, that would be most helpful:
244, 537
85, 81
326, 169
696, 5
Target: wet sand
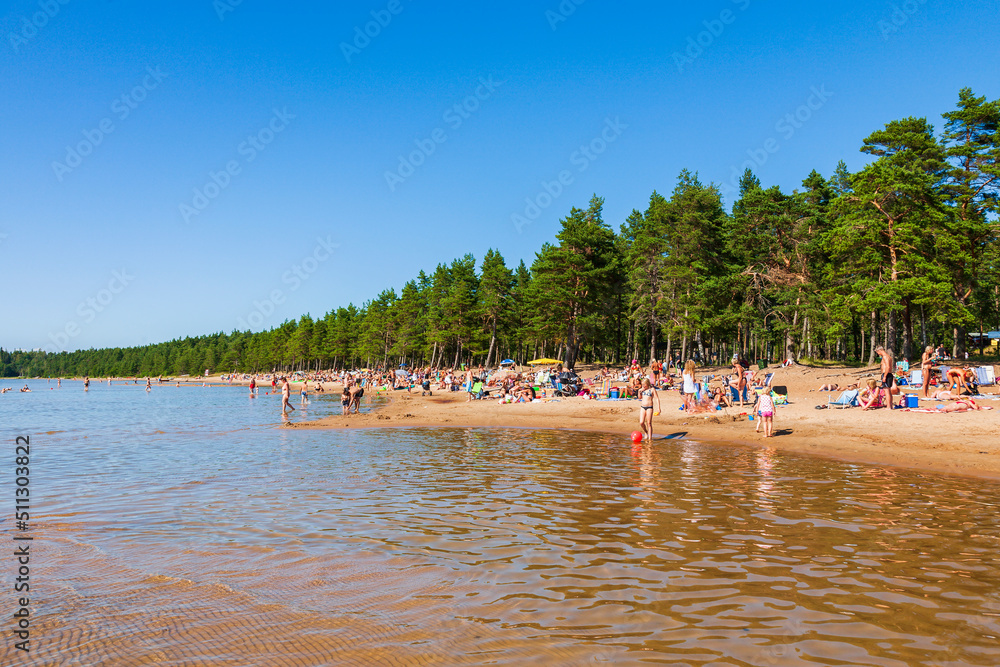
959, 443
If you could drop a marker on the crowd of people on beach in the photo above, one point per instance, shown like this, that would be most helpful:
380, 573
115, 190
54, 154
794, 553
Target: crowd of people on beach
937, 383
738, 386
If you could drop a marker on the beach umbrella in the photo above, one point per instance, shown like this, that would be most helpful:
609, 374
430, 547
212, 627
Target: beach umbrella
543, 362
507, 361
402, 365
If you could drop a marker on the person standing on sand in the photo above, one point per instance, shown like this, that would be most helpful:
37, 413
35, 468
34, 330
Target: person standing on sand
655, 367
688, 378
286, 394
357, 392
468, 383
888, 365
649, 408
926, 368
765, 413
741, 379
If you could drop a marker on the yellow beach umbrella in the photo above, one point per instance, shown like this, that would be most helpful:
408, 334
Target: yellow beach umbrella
543, 362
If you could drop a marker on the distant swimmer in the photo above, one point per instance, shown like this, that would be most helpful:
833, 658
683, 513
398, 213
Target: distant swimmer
25, 389
86, 383
253, 387
149, 385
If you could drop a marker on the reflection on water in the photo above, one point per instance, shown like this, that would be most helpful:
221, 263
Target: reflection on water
450, 547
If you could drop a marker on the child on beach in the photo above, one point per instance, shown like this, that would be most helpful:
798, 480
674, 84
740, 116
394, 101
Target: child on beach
688, 388
765, 413
345, 399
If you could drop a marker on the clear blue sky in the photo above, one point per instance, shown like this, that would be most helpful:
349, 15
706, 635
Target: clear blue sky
329, 125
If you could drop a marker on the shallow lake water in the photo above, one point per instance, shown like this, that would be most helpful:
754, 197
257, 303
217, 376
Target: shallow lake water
185, 527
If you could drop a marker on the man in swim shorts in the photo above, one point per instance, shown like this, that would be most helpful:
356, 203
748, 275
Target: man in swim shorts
888, 379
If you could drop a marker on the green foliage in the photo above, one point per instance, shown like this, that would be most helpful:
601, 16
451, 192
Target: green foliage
905, 249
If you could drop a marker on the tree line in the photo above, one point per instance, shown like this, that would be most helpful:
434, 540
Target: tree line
904, 253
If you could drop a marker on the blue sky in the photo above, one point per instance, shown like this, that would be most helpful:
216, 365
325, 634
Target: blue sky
173, 171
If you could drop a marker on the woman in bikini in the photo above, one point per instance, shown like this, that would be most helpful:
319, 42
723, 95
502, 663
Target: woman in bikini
741, 379
926, 368
649, 408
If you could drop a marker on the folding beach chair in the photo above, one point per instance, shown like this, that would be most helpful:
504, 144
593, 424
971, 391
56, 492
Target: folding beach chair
985, 376
916, 377
848, 399
902, 366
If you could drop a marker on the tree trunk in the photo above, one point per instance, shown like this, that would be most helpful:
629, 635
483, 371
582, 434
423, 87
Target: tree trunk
493, 340
631, 335
891, 334
907, 331
652, 341
802, 343
874, 338
923, 328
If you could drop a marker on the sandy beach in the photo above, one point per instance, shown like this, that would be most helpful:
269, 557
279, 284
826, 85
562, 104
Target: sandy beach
960, 443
